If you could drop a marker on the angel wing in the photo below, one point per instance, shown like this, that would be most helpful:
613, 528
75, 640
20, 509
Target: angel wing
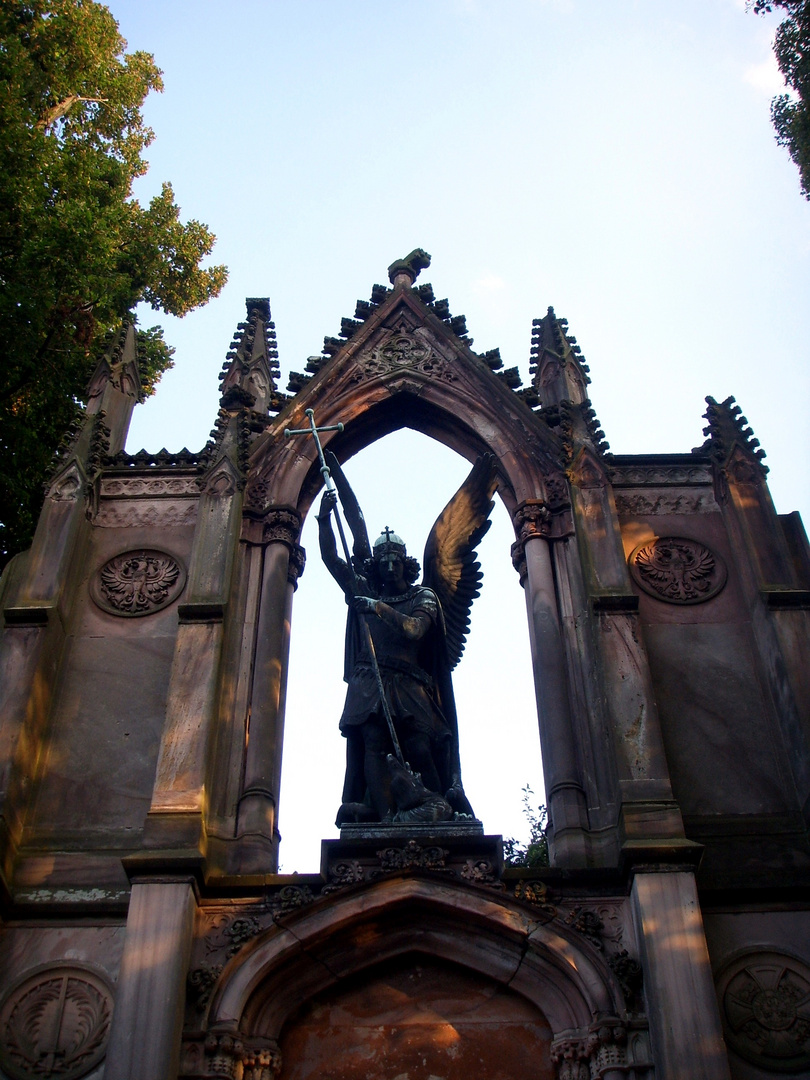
361, 548
451, 569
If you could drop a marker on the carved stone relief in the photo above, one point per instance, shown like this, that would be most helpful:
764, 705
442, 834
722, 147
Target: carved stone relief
403, 350
152, 486
653, 502
765, 1000
282, 524
162, 514
138, 582
608, 1048
677, 570
658, 475
298, 560
55, 1023
67, 487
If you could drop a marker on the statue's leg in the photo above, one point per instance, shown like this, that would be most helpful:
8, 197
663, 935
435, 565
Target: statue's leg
354, 785
377, 747
418, 753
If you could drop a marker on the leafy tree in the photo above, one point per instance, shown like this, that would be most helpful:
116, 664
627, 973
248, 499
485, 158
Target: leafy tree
791, 113
535, 853
77, 251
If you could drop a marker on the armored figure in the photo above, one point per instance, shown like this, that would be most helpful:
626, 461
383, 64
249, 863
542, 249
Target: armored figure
417, 634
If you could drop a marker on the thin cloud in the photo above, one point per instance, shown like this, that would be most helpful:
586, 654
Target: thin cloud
765, 77
489, 285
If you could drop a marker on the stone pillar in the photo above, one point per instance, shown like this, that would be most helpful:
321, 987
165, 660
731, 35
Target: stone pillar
564, 790
37, 598
283, 564
148, 1016
685, 1024
175, 816
649, 813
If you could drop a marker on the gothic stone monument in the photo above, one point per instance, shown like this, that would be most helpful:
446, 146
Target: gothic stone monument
145, 931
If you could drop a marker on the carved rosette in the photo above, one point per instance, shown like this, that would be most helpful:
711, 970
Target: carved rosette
531, 519
138, 582
765, 998
55, 1023
256, 499
677, 570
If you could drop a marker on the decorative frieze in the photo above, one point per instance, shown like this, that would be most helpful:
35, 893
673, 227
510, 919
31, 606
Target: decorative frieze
643, 504
677, 570
660, 475
55, 1023
130, 487
163, 514
138, 582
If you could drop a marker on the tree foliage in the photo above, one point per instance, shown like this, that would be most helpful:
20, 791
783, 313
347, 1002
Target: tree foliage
790, 112
535, 852
77, 250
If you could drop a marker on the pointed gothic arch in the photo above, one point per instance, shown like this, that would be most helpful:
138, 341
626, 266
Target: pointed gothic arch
405, 367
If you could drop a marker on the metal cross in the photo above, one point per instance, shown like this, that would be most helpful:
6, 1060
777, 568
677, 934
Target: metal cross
314, 431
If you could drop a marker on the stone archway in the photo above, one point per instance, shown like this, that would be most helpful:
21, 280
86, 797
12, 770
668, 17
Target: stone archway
406, 369
470, 948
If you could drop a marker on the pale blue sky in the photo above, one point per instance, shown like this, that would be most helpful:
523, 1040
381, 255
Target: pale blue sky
614, 159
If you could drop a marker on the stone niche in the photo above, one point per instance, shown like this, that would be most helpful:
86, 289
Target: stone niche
418, 1019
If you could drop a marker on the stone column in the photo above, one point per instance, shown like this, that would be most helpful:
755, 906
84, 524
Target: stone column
283, 564
684, 1017
649, 813
148, 1016
175, 817
564, 791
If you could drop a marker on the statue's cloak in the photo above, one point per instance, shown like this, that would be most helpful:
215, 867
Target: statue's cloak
405, 690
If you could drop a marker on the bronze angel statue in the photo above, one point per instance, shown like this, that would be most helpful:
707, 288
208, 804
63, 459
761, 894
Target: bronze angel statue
402, 642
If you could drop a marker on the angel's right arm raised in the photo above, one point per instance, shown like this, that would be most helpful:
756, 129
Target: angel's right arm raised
329, 553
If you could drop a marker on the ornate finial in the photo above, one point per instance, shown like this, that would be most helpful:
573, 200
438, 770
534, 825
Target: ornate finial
406, 271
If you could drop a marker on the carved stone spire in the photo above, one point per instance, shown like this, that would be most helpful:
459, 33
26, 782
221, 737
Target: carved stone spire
559, 379
728, 429
557, 364
115, 386
250, 371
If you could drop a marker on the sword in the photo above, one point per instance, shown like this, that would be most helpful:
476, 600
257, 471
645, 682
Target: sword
326, 472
